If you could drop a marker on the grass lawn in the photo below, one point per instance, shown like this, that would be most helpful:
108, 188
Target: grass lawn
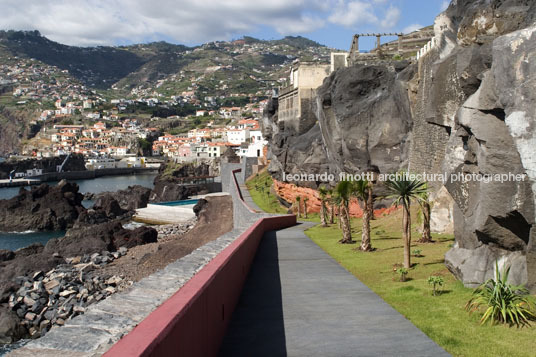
259, 189
442, 317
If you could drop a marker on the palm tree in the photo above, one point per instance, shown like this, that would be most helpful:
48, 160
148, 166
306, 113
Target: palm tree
403, 190
298, 199
323, 193
342, 198
426, 209
332, 204
305, 199
362, 190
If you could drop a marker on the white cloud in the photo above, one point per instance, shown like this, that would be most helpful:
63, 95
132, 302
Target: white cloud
391, 17
101, 22
411, 28
353, 13
444, 5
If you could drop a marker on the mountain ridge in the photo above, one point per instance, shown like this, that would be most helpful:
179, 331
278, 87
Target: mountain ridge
102, 66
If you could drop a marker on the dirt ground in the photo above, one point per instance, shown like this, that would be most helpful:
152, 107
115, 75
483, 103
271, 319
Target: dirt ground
215, 219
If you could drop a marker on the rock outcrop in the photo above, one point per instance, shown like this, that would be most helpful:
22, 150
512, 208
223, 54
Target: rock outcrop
130, 199
474, 115
96, 238
363, 120
173, 181
42, 208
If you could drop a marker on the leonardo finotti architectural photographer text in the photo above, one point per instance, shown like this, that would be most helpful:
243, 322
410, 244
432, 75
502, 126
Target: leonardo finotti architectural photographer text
371, 176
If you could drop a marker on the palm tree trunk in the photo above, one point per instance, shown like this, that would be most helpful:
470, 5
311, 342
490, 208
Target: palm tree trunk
426, 234
370, 202
406, 222
305, 209
299, 209
339, 210
365, 234
323, 213
345, 225
332, 214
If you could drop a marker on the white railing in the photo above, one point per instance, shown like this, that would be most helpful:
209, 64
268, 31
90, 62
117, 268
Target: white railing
423, 51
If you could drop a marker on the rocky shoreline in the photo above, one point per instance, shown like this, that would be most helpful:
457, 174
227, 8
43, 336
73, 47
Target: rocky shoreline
48, 299
41, 300
43, 286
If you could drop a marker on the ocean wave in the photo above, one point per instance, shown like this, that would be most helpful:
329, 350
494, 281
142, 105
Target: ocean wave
24, 232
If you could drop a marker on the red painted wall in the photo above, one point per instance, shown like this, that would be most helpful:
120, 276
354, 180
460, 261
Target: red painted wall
194, 320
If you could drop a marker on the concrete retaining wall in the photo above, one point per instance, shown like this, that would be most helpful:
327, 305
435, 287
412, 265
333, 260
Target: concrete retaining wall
193, 321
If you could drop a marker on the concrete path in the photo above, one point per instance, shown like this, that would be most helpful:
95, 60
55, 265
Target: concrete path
298, 301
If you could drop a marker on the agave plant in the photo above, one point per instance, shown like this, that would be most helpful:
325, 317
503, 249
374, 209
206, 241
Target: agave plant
504, 303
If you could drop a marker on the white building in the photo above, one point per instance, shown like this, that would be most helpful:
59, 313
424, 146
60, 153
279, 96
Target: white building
100, 163
237, 136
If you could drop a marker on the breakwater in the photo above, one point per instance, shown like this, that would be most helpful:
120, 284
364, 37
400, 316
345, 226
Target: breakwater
75, 175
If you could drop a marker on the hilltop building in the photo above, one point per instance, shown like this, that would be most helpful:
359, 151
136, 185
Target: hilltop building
295, 100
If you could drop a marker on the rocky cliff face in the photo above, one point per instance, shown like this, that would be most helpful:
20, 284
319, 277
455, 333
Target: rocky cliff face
15, 126
363, 119
466, 107
486, 47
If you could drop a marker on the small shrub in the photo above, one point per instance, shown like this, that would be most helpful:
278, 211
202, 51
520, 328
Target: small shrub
504, 303
403, 272
435, 281
416, 252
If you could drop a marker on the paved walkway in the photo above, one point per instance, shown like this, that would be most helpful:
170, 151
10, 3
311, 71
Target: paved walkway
298, 301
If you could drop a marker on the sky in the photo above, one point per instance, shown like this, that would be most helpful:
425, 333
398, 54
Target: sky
123, 22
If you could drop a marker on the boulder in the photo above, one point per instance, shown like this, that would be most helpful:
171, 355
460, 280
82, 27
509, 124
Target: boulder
6, 255
130, 199
42, 208
10, 328
198, 207
131, 238
85, 240
109, 205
